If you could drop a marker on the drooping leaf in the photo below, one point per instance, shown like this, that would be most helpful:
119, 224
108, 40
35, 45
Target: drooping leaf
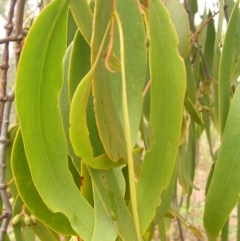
223, 192
42, 232
86, 185
108, 190
17, 228
83, 17
216, 61
209, 45
192, 111
225, 68
104, 225
40, 119
191, 84
166, 197
79, 63
28, 234
167, 95
56, 221
180, 20
135, 59
108, 123
9, 176
71, 28
64, 107
79, 132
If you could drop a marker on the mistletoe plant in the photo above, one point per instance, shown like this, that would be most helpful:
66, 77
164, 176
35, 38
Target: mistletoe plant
104, 94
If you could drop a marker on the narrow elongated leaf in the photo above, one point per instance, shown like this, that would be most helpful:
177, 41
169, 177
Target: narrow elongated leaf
191, 84
166, 197
79, 63
40, 119
104, 225
65, 107
108, 190
9, 175
79, 132
167, 95
28, 234
180, 20
192, 111
135, 63
83, 17
223, 193
109, 126
225, 68
42, 232
209, 45
216, 60
17, 228
56, 221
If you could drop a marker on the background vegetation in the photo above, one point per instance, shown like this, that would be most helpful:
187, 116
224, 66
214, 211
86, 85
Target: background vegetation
127, 120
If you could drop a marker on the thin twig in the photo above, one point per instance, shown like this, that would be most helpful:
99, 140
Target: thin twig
10, 39
18, 27
7, 214
4, 65
225, 7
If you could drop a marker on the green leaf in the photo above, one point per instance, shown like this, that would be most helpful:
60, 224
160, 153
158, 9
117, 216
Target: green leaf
109, 126
64, 107
79, 132
104, 225
86, 185
167, 95
29, 194
28, 234
9, 176
225, 68
17, 228
71, 28
180, 21
209, 45
135, 59
83, 17
192, 111
42, 232
182, 175
191, 84
79, 63
108, 190
223, 193
166, 197
40, 119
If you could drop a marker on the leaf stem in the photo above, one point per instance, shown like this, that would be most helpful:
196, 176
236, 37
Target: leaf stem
127, 128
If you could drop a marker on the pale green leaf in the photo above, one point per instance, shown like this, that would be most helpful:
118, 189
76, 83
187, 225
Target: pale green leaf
108, 190
17, 228
223, 192
29, 194
109, 126
83, 17
42, 232
135, 63
40, 119
104, 225
225, 68
180, 21
64, 107
191, 84
208, 52
167, 95
79, 63
195, 115
79, 132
